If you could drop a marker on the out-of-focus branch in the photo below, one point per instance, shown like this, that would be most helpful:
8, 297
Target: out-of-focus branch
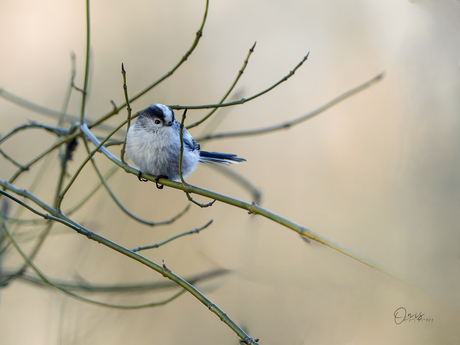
84, 286
286, 125
48, 111
47, 281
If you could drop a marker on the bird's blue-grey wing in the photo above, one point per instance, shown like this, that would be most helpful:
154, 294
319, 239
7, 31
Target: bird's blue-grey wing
189, 142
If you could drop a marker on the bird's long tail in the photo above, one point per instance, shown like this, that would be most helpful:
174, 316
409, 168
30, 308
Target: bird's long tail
221, 158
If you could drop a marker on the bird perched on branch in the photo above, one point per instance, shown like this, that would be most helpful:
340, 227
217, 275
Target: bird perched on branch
153, 144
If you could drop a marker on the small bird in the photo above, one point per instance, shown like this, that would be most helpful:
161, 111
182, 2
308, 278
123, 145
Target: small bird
153, 144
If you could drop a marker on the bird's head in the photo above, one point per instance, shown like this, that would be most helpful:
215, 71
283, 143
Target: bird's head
156, 116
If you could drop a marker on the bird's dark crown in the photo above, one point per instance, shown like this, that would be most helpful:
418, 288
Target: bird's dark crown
160, 111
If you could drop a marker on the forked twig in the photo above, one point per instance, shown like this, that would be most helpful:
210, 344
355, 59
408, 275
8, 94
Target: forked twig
184, 184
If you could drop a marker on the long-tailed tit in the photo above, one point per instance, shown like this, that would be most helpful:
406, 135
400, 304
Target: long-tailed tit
153, 144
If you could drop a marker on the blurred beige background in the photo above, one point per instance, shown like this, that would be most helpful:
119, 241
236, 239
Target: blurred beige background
378, 173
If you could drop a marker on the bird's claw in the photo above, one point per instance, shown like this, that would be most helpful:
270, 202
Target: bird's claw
159, 186
139, 176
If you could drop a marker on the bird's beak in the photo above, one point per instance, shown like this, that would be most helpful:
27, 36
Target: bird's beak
169, 124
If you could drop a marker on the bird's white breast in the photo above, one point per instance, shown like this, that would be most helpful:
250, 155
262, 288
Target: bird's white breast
157, 153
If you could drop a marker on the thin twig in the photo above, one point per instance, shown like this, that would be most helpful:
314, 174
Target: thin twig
59, 131
78, 205
240, 73
42, 155
181, 136
196, 231
73, 71
37, 180
79, 89
87, 65
12, 160
75, 175
243, 100
128, 108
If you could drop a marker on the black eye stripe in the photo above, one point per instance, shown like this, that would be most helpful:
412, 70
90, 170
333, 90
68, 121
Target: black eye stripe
159, 112
154, 112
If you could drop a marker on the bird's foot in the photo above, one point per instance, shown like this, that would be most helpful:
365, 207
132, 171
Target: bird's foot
139, 176
159, 186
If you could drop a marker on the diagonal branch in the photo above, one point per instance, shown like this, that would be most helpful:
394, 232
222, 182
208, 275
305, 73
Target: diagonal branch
163, 270
250, 207
47, 281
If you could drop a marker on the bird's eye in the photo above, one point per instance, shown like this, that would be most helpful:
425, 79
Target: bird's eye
157, 121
